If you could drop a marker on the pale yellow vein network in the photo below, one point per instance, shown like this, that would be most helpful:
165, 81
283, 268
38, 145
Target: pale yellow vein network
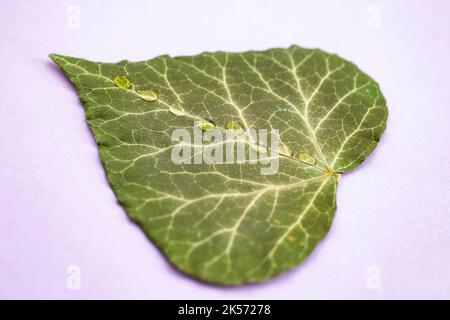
254, 195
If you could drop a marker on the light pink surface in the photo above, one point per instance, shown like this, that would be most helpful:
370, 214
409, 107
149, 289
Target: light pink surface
56, 208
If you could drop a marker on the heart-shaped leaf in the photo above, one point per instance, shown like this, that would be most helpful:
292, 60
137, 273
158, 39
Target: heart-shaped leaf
229, 223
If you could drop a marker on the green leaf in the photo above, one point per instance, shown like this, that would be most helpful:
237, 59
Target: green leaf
228, 223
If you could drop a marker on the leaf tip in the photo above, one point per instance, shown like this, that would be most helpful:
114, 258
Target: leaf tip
54, 56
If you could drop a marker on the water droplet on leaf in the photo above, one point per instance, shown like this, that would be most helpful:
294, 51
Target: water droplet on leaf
206, 125
261, 149
122, 82
285, 150
234, 127
177, 110
307, 158
149, 95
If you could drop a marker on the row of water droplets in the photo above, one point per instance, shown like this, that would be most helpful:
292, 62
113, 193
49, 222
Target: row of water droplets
206, 124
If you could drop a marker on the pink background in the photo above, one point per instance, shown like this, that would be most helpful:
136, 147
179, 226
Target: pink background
56, 208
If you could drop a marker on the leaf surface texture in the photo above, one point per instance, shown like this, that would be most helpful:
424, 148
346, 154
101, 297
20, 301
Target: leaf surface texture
227, 223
